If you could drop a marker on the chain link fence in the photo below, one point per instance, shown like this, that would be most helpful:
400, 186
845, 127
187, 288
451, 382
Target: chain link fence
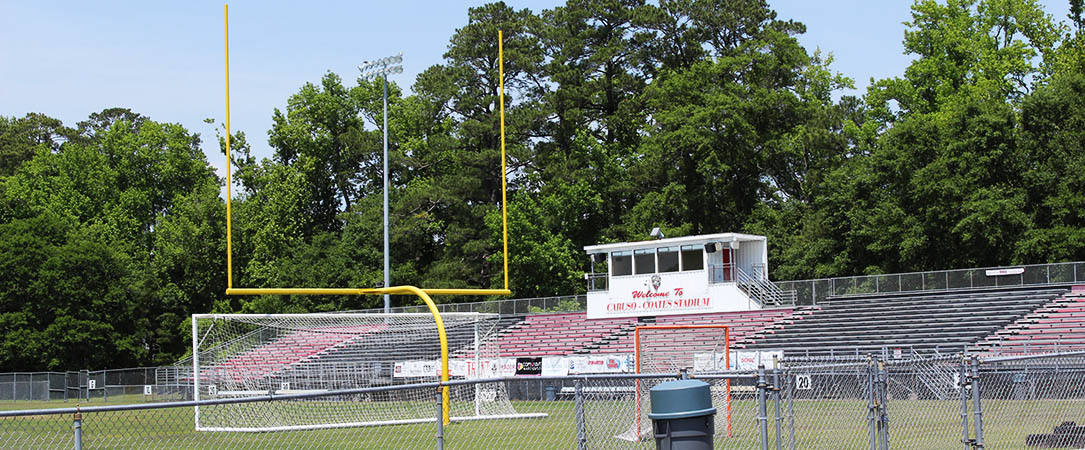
868, 403
138, 384
812, 292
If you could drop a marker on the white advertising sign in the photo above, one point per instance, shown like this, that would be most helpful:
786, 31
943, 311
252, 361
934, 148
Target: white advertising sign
577, 364
709, 362
555, 367
410, 369
147, 389
1000, 272
600, 364
749, 360
506, 367
607, 364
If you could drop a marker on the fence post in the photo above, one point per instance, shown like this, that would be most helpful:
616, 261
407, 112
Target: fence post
977, 409
962, 383
790, 409
777, 389
581, 427
77, 427
776, 398
762, 411
871, 427
440, 419
883, 394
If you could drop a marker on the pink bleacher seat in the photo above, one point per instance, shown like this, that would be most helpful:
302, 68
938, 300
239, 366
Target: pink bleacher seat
556, 334
1059, 325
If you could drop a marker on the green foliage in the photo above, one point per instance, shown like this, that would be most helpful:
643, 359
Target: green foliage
110, 240
562, 306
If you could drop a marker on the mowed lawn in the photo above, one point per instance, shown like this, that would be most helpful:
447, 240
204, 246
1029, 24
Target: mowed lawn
818, 424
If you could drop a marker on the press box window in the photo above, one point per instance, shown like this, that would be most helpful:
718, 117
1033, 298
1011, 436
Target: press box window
668, 259
692, 258
645, 261
621, 263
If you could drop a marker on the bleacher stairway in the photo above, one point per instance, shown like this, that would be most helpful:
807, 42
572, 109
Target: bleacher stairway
920, 323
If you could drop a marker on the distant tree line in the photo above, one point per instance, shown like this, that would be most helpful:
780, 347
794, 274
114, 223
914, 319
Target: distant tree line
696, 116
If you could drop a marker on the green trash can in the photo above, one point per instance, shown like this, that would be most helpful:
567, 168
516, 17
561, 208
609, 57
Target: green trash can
682, 415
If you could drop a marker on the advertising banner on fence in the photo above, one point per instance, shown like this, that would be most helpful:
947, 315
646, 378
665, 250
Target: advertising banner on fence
464, 368
408, 369
528, 366
710, 362
555, 366
508, 367
600, 364
749, 360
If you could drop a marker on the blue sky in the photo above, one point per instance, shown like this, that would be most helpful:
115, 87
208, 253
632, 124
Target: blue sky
165, 59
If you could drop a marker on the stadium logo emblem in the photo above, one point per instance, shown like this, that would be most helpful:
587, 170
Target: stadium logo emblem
656, 281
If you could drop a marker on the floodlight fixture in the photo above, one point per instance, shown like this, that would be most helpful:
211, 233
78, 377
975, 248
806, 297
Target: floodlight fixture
381, 67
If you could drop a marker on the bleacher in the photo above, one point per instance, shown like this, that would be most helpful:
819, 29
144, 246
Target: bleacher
280, 353
1058, 326
559, 334
742, 325
1006, 321
409, 345
921, 323
303, 350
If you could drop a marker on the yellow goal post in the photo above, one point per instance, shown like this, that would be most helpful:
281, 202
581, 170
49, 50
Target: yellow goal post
422, 293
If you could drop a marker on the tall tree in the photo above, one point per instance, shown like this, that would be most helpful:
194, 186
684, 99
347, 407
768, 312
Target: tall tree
721, 120
20, 138
130, 228
466, 169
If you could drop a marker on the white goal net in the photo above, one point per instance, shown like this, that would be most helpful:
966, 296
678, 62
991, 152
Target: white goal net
669, 349
240, 355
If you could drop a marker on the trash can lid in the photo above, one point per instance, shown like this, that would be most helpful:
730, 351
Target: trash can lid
680, 399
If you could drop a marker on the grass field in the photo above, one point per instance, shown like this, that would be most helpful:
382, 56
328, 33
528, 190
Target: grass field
819, 424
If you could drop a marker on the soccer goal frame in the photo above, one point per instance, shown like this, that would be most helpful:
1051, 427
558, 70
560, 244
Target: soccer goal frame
642, 358
260, 355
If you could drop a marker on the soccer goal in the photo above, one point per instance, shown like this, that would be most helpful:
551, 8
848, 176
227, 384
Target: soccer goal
698, 349
240, 355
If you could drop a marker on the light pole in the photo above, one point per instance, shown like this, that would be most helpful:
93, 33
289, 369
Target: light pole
381, 68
